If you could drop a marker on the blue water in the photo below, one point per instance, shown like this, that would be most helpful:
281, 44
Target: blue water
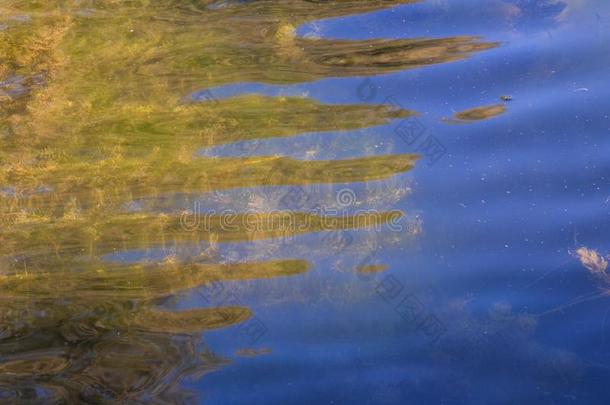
478, 294
501, 213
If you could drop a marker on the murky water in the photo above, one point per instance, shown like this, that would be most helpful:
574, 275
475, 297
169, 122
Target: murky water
357, 201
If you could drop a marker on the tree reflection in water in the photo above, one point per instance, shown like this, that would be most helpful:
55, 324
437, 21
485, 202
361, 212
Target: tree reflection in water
93, 116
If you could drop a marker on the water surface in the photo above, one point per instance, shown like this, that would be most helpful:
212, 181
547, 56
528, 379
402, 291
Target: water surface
357, 201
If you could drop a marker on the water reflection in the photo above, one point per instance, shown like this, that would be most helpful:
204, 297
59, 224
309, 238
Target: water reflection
477, 114
94, 116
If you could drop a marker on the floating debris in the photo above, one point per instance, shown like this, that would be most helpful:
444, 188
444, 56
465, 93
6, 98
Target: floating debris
593, 261
476, 114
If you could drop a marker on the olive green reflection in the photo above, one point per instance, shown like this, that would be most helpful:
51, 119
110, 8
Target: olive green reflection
95, 112
96, 336
477, 114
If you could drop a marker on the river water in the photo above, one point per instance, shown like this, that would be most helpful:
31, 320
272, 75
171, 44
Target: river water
357, 201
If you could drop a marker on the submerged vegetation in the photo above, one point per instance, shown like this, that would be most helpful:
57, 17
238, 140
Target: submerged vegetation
95, 112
